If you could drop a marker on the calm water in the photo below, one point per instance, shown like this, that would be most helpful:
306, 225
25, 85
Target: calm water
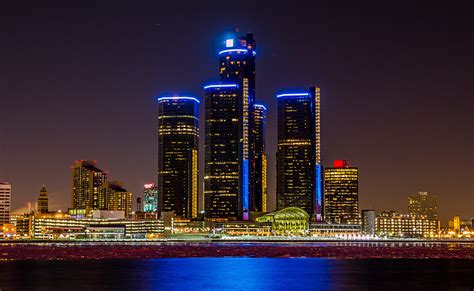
239, 274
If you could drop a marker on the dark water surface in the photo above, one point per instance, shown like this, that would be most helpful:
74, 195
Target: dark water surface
239, 274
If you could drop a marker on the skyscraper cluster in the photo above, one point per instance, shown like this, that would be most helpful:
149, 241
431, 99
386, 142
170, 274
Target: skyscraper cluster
235, 159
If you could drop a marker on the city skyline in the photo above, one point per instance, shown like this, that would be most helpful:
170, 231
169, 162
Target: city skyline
390, 168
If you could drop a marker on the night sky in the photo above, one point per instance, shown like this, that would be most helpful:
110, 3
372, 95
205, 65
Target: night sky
78, 80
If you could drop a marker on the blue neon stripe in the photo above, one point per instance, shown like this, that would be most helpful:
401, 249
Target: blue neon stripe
177, 98
261, 106
292, 94
319, 191
245, 189
233, 50
221, 86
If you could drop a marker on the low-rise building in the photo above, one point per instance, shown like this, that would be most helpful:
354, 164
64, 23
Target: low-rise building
395, 224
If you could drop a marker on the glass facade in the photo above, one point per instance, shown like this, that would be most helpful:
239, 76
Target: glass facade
88, 186
178, 142
258, 201
422, 204
341, 193
150, 198
230, 142
299, 154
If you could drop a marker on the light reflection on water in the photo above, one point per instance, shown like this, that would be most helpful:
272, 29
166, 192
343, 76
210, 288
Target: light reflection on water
238, 274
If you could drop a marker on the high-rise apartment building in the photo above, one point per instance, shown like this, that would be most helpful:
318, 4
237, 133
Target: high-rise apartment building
43, 204
178, 145
229, 127
150, 198
341, 193
118, 198
422, 204
5, 202
258, 201
299, 170
368, 221
88, 186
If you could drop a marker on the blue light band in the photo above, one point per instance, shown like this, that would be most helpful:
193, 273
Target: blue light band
292, 94
233, 50
177, 98
261, 106
221, 86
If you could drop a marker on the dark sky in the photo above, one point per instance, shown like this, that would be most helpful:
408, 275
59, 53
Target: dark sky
78, 80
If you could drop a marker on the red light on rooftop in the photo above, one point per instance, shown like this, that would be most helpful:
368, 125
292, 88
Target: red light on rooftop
148, 186
341, 163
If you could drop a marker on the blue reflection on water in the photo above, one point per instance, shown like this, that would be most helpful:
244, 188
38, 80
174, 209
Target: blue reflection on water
237, 273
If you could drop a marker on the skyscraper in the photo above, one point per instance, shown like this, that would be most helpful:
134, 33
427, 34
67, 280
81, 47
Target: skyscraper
5, 202
88, 186
341, 193
299, 152
230, 143
258, 201
43, 201
150, 198
178, 144
118, 198
422, 204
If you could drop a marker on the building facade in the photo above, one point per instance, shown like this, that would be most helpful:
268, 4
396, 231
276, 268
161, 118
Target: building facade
178, 145
368, 221
341, 193
395, 224
229, 123
258, 201
88, 186
422, 204
43, 204
299, 170
5, 202
150, 198
118, 198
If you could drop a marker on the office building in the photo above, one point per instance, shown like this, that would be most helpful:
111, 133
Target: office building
395, 224
5, 202
299, 152
230, 143
258, 201
150, 198
43, 205
88, 186
118, 198
422, 204
178, 145
368, 222
341, 193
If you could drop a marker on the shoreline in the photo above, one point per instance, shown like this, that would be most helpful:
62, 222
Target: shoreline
336, 250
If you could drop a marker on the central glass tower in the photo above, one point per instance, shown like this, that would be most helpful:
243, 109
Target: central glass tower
230, 142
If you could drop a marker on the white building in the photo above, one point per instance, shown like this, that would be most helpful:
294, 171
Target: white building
5, 202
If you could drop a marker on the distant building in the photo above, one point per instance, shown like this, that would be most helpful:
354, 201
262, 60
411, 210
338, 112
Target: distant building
88, 186
150, 197
118, 198
341, 193
395, 224
178, 146
43, 205
368, 222
423, 204
299, 168
258, 201
5, 202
